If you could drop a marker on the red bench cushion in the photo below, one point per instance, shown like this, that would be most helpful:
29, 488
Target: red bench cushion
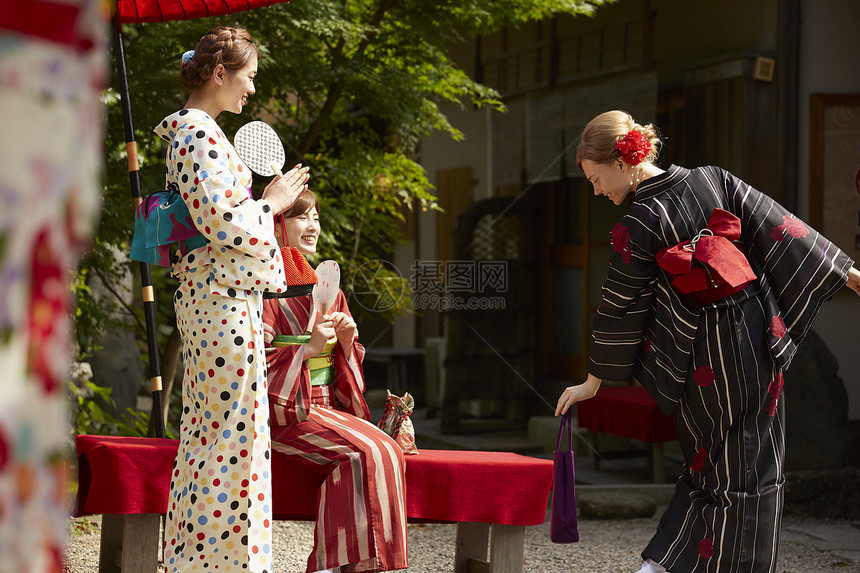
122, 475
627, 411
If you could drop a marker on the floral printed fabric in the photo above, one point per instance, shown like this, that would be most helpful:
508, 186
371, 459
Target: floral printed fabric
620, 241
49, 97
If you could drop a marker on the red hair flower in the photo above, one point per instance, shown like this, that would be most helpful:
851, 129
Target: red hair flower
634, 147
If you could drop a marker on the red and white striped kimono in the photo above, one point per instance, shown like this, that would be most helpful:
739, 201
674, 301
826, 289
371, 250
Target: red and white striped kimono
361, 512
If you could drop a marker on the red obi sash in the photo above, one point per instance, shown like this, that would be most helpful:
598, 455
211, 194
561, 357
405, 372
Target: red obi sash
709, 267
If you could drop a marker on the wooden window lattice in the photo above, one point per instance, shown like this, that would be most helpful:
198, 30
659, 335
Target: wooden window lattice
496, 239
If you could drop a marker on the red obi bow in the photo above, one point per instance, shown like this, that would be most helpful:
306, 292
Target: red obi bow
722, 268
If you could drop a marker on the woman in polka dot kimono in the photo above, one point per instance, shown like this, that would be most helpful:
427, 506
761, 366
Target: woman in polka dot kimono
219, 509
711, 287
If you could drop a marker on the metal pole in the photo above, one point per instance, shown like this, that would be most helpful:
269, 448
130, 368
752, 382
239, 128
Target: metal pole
147, 291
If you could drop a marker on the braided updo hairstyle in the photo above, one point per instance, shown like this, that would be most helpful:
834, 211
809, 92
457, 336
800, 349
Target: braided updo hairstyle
231, 47
603, 132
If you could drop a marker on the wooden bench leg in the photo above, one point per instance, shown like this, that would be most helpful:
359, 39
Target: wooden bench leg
471, 554
506, 544
129, 543
506, 548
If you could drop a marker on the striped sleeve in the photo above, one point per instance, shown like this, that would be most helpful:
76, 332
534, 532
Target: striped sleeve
799, 268
625, 305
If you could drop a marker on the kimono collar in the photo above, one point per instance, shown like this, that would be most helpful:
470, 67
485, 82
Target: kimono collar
659, 183
166, 130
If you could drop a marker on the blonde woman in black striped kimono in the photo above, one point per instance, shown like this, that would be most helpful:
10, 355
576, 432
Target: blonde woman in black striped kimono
715, 357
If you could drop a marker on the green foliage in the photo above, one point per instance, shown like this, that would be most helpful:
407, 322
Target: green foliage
83, 526
91, 413
351, 87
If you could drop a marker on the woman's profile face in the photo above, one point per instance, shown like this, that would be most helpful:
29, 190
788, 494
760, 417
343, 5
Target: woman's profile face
610, 179
303, 231
238, 86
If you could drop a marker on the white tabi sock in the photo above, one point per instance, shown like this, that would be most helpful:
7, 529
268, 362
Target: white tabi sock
650, 567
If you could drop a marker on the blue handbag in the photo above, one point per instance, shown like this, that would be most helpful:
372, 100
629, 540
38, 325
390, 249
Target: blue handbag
160, 220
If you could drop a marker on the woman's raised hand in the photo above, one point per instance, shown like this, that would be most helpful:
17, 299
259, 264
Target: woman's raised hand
283, 191
345, 329
322, 332
577, 393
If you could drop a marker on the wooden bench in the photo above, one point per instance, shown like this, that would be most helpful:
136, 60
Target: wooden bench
492, 496
629, 412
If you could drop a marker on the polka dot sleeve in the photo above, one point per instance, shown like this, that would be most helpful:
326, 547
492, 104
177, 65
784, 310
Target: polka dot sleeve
214, 184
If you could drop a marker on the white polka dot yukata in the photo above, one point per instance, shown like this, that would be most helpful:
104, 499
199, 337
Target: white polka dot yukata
219, 513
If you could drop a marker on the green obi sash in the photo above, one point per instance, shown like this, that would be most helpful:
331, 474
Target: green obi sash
282, 340
321, 365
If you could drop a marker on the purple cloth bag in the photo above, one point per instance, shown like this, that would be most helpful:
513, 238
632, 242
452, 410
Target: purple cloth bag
563, 522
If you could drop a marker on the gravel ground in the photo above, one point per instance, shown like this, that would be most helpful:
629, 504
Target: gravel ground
808, 546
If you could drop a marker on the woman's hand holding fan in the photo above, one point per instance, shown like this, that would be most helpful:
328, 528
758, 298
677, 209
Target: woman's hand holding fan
324, 297
261, 149
345, 329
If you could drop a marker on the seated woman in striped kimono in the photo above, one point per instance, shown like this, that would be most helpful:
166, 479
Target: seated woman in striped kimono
319, 418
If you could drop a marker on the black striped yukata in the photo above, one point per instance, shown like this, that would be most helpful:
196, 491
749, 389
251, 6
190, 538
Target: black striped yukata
718, 368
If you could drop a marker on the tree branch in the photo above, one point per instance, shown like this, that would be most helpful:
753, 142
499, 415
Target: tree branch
335, 89
108, 286
353, 255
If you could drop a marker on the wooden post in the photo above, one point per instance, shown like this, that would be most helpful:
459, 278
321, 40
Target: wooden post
472, 540
506, 548
110, 549
129, 543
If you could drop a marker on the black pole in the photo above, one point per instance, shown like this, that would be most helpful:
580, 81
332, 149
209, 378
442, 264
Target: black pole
145, 276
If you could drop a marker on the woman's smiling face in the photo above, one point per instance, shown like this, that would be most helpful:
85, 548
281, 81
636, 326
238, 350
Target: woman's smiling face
238, 86
303, 231
610, 179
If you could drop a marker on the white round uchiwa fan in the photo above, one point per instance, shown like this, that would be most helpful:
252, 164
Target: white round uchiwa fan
260, 148
328, 284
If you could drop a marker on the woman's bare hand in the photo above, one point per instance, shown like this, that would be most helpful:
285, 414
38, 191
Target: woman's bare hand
577, 393
283, 191
322, 332
853, 280
345, 329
